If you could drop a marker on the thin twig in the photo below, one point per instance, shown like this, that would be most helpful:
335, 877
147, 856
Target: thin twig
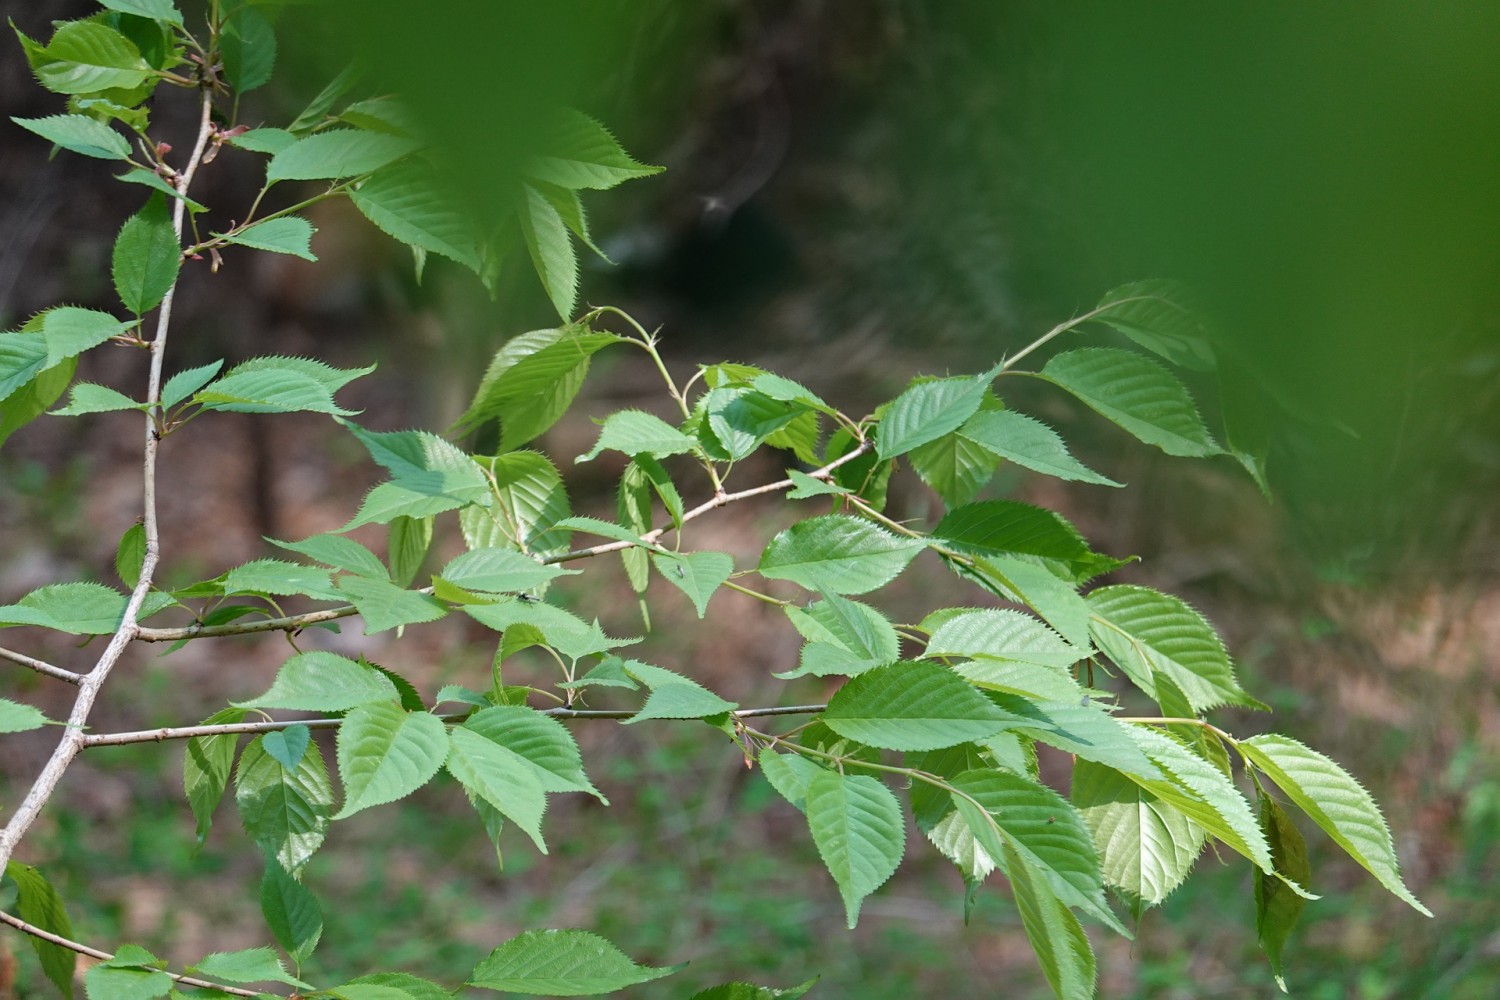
240, 728
1067, 325
40, 666
712, 503
90, 684
291, 623
105, 956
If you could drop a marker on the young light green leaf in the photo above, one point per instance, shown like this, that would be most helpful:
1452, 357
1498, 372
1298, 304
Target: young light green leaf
425, 463
287, 745
253, 965
290, 234
185, 383
530, 384
1143, 631
790, 774
696, 574
1146, 846
994, 528
69, 330
1002, 634
39, 904
529, 499
338, 552
135, 175
561, 964
248, 46
674, 696
927, 411
343, 152
146, 257
1029, 443
263, 140
320, 681
838, 554
18, 718
843, 637
1277, 907
206, 766
1010, 579
581, 153
131, 983
497, 570
407, 542
913, 706
1157, 315
1138, 394
383, 605
406, 202
635, 432
499, 777
1335, 801
1058, 939
79, 134
551, 249
1083, 730
954, 466
564, 631
285, 811
539, 740
275, 576
857, 826
85, 57
279, 385
130, 554
805, 486
385, 753
86, 397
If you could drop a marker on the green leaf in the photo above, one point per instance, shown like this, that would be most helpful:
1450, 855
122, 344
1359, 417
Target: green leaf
838, 554
564, 631
408, 987
569, 208
927, 411
317, 108
696, 574
843, 637
1027, 442
31, 400
344, 152
23, 356
912, 706
383, 605
79, 134
406, 202
529, 501
38, 904
87, 397
1082, 730
1156, 315
136, 175
385, 753
157, 10
284, 811
674, 696
130, 554
1277, 907
85, 57
206, 766
1000, 634
993, 528
107, 982
954, 466
1138, 394
497, 570
290, 234
790, 774
805, 486
530, 385
857, 826
561, 964
287, 745
146, 257
1144, 631
551, 249
635, 433
77, 608
1335, 801
248, 45
275, 576
279, 385
1061, 946
338, 552
581, 153
263, 140
1146, 846
69, 331
18, 718
500, 777
742, 419
539, 740
749, 991
253, 965
320, 681
407, 542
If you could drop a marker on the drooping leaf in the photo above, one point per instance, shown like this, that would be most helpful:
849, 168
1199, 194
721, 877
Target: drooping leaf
674, 696
540, 741
1084, 730
838, 554
1335, 801
248, 45
561, 964
406, 985
1158, 316
130, 554
407, 202
843, 637
551, 249
385, 753
287, 745
1146, 846
927, 411
739, 420
1029, 443
789, 774
805, 486
581, 153
87, 397
125, 982
252, 965
1138, 394
529, 387
857, 826
1055, 934
343, 152
1002, 634
912, 706
135, 175
285, 812
39, 904
635, 433
499, 776
1277, 907
383, 605
1143, 631
320, 681
290, 234
157, 10
566, 632
23, 356
529, 500
31, 400
206, 767
407, 542
954, 466
79, 134
696, 574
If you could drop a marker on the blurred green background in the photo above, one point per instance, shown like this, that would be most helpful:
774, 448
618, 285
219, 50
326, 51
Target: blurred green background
857, 192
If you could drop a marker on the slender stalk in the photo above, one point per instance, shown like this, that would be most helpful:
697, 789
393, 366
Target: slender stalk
291, 623
767, 598
1167, 721
89, 684
105, 956
40, 666
1064, 327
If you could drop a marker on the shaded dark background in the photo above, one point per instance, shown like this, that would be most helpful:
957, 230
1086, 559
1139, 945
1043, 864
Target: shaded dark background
855, 193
